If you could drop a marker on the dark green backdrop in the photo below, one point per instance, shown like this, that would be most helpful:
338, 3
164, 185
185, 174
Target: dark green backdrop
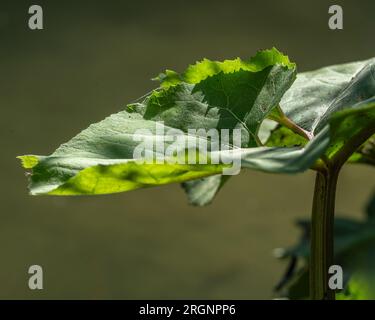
90, 60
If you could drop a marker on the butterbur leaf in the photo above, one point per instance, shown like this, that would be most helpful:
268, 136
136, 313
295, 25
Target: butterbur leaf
232, 95
101, 158
354, 252
316, 96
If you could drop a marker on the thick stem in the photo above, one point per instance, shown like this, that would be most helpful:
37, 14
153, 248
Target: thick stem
322, 234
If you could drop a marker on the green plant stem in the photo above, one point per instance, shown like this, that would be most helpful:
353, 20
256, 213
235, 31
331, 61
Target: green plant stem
323, 214
322, 234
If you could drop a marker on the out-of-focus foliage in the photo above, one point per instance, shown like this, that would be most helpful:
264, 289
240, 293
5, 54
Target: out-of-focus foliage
354, 252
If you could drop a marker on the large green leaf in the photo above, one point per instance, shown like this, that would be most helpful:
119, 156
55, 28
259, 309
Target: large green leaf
235, 95
311, 103
100, 159
354, 252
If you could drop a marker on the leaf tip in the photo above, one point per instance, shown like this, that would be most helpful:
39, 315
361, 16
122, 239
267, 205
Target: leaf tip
28, 161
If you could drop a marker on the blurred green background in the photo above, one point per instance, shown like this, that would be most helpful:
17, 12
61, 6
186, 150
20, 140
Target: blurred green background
91, 59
